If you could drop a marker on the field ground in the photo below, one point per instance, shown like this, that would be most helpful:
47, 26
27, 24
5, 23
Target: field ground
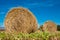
32, 36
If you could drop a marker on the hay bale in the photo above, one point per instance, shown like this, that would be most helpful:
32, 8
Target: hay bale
50, 26
20, 20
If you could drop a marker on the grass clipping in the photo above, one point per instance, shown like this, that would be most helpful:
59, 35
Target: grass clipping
20, 20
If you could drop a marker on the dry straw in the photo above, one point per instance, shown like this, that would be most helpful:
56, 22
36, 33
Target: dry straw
19, 20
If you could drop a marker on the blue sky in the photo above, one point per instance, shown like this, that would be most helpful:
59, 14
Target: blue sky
42, 9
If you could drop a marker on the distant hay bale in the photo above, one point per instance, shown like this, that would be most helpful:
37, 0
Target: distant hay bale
20, 20
50, 26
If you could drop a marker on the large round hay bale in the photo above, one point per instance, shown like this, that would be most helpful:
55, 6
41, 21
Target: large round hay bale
20, 20
50, 26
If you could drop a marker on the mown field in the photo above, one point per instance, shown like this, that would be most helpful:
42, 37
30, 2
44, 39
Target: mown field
32, 36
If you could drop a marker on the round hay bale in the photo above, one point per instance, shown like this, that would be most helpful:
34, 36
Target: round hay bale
50, 26
20, 20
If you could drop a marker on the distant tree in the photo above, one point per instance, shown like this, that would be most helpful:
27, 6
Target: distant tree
58, 27
41, 28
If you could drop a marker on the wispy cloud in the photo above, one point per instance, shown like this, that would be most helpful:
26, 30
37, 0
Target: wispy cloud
46, 5
41, 4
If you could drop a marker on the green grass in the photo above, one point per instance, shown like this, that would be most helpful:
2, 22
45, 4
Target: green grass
37, 35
